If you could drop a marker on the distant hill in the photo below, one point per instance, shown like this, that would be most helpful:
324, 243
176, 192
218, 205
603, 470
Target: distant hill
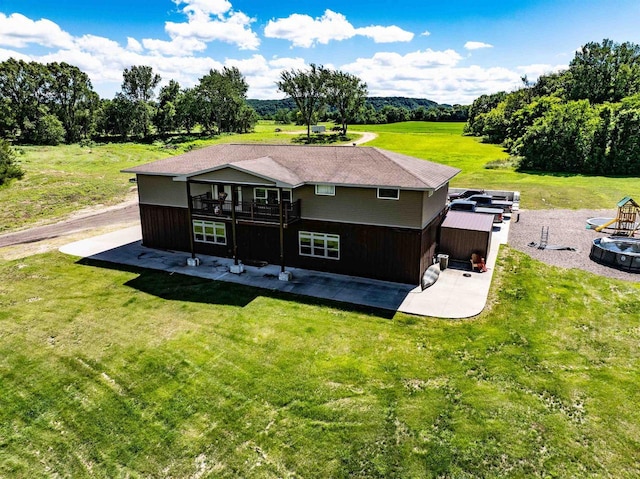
379, 102
267, 108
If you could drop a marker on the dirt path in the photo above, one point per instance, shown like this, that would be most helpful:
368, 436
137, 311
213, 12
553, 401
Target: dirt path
83, 224
365, 137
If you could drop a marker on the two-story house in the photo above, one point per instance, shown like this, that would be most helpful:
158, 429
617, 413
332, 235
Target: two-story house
351, 210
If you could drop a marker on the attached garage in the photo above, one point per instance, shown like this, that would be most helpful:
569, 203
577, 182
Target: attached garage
462, 234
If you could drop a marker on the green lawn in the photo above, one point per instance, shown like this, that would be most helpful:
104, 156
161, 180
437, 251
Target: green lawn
444, 143
109, 371
118, 372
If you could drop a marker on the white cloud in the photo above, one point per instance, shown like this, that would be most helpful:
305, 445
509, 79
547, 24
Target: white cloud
96, 44
204, 8
420, 59
305, 31
535, 70
426, 33
177, 47
440, 75
437, 75
209, 20
477, 45
134, 45
234, 29
18, 31
288, 63
385, 34
6, 54
104, 59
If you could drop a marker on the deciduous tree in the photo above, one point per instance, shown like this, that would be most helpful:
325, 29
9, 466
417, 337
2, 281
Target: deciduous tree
24, 87
72, 98
138, 86
222, 95
605, 71
187, 109
165, 118
347, 94
307, 89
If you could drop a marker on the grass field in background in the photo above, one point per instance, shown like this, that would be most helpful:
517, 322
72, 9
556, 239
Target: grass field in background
63, 179
110, 371
444, 143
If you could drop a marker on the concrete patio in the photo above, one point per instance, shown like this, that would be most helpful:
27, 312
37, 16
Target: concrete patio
458, 293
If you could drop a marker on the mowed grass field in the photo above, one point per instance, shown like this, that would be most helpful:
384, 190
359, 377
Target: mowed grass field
117, 372
110, 371
444, 143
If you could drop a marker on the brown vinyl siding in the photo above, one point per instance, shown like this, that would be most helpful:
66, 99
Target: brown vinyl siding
162, 191
165, 227
464, 233
429, 239
391, 254
360, 206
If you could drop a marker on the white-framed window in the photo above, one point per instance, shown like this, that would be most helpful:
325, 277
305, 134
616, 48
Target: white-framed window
388, 194
319, 245
325, 190
209, 232
271, 195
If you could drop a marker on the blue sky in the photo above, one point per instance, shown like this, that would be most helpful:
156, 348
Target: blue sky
450, 51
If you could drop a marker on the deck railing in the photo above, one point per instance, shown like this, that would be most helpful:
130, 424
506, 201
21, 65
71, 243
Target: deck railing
204, 205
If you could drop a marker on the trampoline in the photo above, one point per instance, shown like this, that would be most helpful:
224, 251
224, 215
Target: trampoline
617, 252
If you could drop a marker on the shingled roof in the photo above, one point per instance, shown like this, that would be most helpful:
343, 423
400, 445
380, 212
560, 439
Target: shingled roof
293, 165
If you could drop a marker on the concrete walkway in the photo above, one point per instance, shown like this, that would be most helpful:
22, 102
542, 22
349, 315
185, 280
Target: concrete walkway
457, 293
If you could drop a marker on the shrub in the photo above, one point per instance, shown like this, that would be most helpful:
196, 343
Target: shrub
45, 130
8, 167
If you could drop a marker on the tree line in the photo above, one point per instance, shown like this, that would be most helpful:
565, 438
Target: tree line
583, 120
55, 103
376, 110
48, 104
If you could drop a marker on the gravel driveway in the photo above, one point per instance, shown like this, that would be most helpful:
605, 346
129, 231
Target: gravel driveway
566, 228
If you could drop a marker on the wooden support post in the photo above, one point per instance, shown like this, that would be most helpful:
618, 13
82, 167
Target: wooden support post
190, 209
280, 207
234, 196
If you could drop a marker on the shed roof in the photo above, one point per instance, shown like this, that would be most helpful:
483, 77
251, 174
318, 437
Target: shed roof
463, 220
293, 165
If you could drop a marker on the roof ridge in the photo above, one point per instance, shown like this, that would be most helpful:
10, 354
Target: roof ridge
401, 166
238, 164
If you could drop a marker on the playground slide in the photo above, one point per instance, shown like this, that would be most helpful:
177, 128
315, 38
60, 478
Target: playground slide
608, 223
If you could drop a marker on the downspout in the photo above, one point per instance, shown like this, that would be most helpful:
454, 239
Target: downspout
190, 209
